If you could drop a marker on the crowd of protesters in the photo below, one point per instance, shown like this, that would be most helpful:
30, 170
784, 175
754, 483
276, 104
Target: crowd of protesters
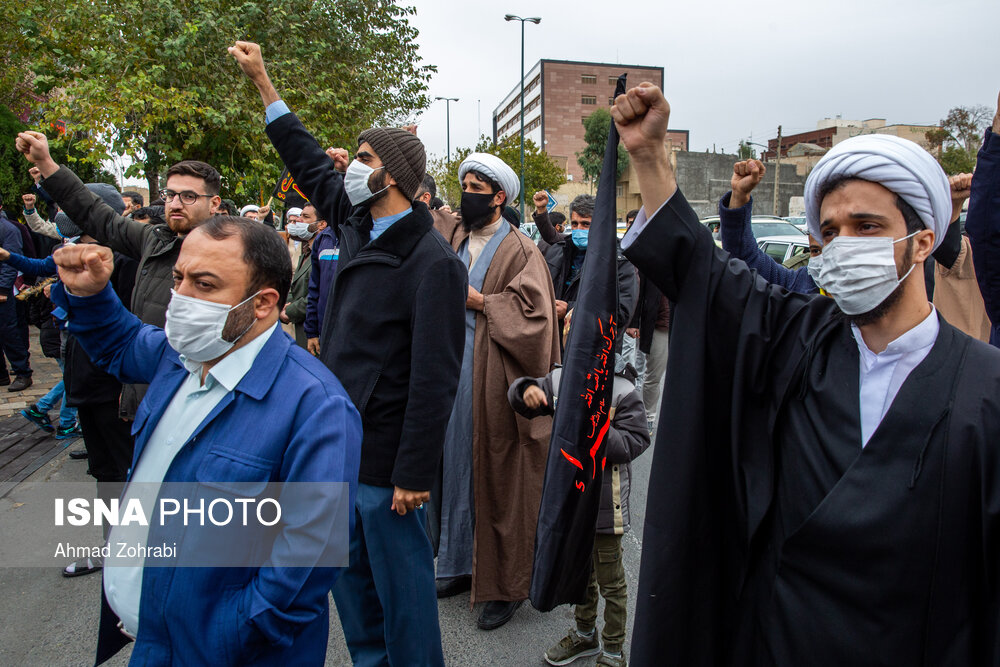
819, 428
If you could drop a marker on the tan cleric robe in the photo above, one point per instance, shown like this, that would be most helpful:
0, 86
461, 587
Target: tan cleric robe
516, 335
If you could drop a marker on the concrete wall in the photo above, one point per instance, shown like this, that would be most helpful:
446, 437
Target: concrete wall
705, 177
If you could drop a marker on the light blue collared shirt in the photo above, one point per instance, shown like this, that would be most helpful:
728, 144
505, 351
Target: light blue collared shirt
187, 409
276, 110
379, 225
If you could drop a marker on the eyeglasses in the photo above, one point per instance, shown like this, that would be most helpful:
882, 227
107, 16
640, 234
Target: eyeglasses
187, 197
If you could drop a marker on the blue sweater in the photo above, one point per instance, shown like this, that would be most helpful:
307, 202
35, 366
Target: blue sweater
983, 227
738, 240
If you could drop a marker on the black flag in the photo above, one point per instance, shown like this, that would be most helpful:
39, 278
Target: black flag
287, 191
567, 517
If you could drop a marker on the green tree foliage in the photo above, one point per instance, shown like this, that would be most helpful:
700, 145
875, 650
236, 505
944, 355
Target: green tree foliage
958, 139
591, 159
540, 171
151, 79
14, 178
746, 151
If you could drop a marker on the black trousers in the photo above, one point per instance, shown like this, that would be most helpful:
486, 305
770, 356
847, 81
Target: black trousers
108, 440
13, 338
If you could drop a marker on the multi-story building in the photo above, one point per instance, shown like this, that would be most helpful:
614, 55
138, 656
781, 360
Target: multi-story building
831, 131
559, 95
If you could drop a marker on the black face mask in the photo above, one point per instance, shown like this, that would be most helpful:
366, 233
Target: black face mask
476, 210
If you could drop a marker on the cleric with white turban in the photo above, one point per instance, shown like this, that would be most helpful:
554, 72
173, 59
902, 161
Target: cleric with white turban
494, 168
899, 165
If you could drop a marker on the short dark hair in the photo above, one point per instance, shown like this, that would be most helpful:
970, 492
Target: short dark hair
436, 203
202, 170
557, 218
913, 222
154, 213
319, 216
134, 196
633, 214
229, 206
264, 252
428, 185
494, 186
583, 205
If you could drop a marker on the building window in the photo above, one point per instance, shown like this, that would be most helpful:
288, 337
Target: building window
588, 99
613, 80
611, 101
588, 78
620, 190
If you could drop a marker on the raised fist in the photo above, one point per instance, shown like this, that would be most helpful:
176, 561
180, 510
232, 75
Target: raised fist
84, 269
961, 188
29, 202
541, 199
642, 115
341, 158
35, 174
746, 176
250, 59
34, 145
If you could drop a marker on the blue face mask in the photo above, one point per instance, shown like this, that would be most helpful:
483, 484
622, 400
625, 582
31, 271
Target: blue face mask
580, 238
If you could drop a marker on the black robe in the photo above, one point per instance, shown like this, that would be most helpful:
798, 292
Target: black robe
771, 536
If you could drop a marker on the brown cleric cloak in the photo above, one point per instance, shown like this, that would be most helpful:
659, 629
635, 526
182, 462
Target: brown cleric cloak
516, 336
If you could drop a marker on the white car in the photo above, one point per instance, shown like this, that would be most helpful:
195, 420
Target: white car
783, 248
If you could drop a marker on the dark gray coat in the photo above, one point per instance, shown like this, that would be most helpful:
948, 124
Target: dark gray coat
155, 247
627, 438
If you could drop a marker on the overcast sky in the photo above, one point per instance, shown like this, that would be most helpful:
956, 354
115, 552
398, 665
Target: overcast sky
732, 69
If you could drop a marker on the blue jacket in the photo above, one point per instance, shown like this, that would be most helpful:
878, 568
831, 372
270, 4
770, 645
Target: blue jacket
10, 240
288, 420
738, 240
982, 224
324, 256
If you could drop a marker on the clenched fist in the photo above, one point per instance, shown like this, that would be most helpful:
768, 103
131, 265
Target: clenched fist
541, 199
341, 158
746, 176
84, 269
35, 147
642, 115
29, 202
250, 59
961, 188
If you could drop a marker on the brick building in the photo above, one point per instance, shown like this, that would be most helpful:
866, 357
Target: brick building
831, 131
558, 96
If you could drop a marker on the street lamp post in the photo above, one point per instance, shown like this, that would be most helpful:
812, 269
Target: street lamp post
447, 116
536, 20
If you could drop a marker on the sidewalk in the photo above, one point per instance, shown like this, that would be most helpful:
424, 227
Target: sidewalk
45, 374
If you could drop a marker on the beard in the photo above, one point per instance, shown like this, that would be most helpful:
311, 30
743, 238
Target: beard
380, 179
881, 310
239, 321
475, 225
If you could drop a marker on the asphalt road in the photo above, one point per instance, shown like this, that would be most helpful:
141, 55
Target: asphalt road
46, 619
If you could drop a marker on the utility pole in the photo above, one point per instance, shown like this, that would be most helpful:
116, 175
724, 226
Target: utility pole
447, 111
777, 173
536, 20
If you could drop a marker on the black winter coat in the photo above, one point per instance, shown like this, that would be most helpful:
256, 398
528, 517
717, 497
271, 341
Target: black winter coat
394, 327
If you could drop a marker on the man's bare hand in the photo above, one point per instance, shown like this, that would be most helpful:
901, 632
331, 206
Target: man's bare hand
35, 175
996, 117
47, 291
746, 176
475, 300
642, 115
561, 307
250, 59
541, 200
84, 269
283, 316
534, 397
35, 147
262, 212
312, 345
404, 500
341, 158
4, 254
632, 332
29, 202
961, 188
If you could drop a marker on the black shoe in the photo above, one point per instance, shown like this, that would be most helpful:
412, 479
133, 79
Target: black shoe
495, 614
21, 382
85, 566
78, 454
452, 586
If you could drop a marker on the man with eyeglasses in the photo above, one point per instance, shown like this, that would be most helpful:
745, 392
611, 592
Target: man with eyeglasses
190, 198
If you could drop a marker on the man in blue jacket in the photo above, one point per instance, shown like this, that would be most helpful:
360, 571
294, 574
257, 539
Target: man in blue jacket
983, 224
217, 411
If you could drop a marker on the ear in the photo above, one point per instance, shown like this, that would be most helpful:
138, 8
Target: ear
320, 225
215, 201
500, 198
923, 245
265, 302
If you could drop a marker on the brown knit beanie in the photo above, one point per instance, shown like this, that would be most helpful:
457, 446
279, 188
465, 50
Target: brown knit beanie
402, 154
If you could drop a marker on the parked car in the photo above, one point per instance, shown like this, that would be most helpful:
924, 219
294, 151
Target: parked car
799, 221
783, 248
762, 225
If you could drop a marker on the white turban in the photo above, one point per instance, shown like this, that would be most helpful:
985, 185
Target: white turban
496, 169
248, 209
899, 165
295, 210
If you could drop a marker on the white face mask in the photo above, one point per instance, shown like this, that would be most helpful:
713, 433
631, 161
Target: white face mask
194, 327
815, 267
356, 182
299, 230
859, 272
